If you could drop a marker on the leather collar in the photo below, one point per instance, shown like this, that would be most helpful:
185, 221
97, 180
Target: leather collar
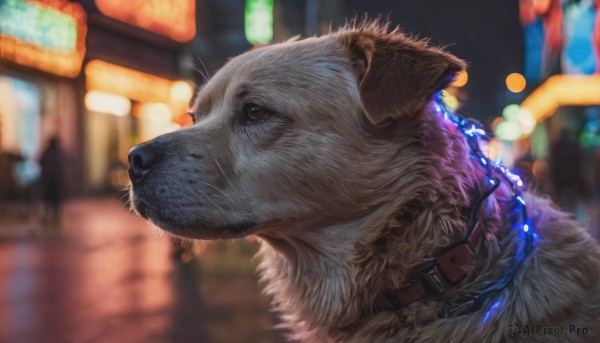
445, 271
450, 266
453, 264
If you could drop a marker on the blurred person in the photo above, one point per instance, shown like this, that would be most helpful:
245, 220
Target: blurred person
9, 190
51, 182
595, 208
566, 174
596, 175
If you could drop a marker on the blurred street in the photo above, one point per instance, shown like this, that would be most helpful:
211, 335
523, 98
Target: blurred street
108, 276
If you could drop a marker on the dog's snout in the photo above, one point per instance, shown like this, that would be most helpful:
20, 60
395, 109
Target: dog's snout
141, 159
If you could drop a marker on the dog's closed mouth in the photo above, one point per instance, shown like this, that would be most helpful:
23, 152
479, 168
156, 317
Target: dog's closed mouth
198, 230
205, 231
231, 231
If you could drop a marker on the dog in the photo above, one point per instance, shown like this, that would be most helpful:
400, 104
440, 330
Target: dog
379, 218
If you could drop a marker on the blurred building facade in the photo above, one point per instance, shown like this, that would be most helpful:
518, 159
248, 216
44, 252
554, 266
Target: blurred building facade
41, 53
136, 76
99, 75
550, 126
562, 99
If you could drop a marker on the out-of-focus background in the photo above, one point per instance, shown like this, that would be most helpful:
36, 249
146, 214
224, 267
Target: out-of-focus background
81, 82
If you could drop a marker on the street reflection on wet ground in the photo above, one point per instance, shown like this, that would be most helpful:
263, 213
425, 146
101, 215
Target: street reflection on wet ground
109, 276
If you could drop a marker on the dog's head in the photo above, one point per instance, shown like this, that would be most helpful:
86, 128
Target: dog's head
304, 132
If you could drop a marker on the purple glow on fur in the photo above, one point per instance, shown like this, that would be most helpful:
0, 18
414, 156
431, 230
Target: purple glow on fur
496, 174
475, 135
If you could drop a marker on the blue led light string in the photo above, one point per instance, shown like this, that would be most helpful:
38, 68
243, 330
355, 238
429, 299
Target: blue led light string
495, 173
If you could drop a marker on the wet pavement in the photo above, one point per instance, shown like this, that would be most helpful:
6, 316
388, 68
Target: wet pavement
108, 276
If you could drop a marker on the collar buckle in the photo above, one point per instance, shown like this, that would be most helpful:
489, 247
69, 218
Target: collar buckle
435, 280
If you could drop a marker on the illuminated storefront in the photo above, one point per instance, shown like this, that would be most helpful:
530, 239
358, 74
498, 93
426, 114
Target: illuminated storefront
124, 107
42, 47
101, 75
134, 90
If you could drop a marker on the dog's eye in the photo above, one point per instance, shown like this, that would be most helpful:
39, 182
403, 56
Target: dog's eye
254, 113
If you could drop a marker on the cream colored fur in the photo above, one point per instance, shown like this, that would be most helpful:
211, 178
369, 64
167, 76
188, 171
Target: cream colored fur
351, 182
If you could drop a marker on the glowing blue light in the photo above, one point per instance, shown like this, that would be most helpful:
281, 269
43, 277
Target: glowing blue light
470, 129
491, 311
476, 137
473, 130
515, 178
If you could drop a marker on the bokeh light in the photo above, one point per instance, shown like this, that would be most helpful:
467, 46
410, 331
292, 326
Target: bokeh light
181, 91
104, 102
515, 82
461, 79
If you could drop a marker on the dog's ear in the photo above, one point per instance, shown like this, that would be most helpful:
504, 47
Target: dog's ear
397, 75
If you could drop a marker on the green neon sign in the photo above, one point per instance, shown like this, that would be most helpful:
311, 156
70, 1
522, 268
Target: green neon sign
258, 21
38, 25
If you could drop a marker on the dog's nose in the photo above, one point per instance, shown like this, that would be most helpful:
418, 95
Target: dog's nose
141, 159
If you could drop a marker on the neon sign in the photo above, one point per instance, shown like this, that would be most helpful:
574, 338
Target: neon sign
131, 83
562, 90
47, 34
175, 19
258, 21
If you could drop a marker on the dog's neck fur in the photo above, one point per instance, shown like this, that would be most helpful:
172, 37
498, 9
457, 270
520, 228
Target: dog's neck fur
324, 280
315, 266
